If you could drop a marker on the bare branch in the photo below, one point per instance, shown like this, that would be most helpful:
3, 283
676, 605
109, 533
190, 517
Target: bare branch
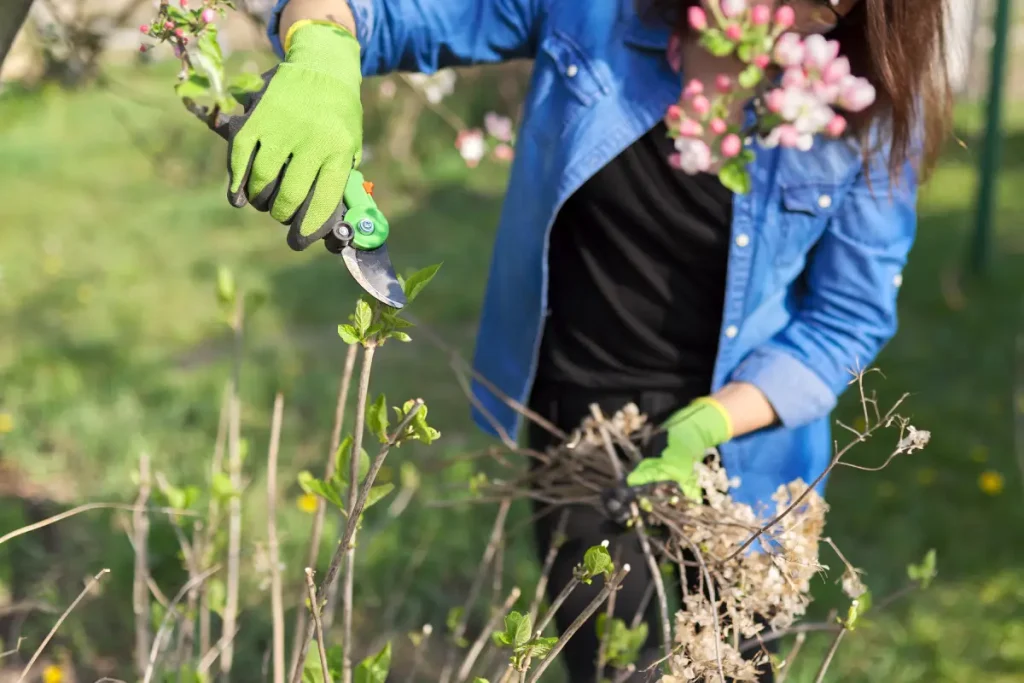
314, 609
276, 599
39, 650
140, 541
481, 640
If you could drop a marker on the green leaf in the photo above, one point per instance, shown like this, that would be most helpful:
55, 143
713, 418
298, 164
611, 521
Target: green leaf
221, 486
245, 83
342, 459
452, 620
377, 419
377, 493
254, 301
540, 647
414, 284
214, 72
374, 669
924, 572
194, 88
348, 334
311, 484
750, 76
735, 177
400, 336
715, 42
312, 672
208, 46
597, 561
857, 609
362, 318
745, 52
216, 595
225, 286
480, 680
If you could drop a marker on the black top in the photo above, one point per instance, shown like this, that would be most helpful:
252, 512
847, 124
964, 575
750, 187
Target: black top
637, 276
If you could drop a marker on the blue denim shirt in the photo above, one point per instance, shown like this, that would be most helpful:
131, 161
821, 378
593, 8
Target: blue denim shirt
817, 246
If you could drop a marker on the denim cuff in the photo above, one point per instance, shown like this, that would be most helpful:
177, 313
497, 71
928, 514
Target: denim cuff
798, 395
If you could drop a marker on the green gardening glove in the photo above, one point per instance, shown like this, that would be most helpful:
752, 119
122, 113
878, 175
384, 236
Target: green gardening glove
302, 134
691, 432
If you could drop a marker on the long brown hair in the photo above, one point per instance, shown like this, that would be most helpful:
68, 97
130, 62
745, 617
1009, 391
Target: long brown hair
900, 47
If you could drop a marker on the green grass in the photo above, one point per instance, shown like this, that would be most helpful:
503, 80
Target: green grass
110, 344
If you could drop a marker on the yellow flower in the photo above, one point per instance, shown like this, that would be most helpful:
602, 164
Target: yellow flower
6, 423
53, 674
307, 502
926, 476
979, 453
991, 482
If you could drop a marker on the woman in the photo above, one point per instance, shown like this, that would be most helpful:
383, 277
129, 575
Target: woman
616, 278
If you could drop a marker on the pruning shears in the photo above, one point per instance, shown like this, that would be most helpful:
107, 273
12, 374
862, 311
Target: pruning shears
358, 232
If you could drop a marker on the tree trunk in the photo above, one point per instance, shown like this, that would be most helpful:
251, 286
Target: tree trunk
12, 16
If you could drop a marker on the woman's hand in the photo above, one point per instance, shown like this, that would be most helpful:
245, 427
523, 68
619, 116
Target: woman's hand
736, 409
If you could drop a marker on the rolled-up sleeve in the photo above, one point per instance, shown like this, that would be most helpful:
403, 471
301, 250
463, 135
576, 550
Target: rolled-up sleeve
427, 35
848, 312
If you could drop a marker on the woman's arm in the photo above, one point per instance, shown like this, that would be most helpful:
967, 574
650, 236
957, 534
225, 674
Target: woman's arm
848, 312
749, 409
422, 35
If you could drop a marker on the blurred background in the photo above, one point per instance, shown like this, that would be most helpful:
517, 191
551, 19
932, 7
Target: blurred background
114, 225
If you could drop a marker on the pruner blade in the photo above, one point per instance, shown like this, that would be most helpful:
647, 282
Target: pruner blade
373, 271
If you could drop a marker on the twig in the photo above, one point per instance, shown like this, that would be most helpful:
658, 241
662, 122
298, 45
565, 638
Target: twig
86, 507
417, 658
481, 640
787, 663
276, 599
313, 554
214, 652
140, 594
353, 519
474, 589
830, 654
557, 539
235, 474
212, 515
575, 626
317, 624
659, 583
39, 650
154, 651
602, 648
339, 552
798, 630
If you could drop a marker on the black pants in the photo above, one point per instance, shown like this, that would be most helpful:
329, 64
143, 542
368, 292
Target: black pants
586, 526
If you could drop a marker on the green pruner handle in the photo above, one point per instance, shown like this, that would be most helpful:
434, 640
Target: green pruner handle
359, 210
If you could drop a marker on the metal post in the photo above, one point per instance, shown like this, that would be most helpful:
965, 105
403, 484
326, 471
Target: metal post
988, 169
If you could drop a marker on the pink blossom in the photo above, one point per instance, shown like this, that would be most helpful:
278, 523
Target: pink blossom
498, 126
183, 4
697, 18
178, 32
789, 136
794, 77
144, 28
762, 61
731, 146
836, 127
207, 16
692, 89
471, 146
168, 25
856, 94
504, 152
674, 113
819, 52
825, 92
789, 50
774, 100
690, 128
784, 17
694, 156
760, 15
142, 48
717, 126
701, 105
836, 71
723, 83
734, 32
733, 8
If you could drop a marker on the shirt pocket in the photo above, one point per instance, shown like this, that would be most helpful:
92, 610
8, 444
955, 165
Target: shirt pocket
567, 84
803, 212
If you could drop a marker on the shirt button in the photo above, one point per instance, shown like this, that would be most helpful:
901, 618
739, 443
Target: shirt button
898, 280
742, 240
824, 201
572, 71
731, 331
